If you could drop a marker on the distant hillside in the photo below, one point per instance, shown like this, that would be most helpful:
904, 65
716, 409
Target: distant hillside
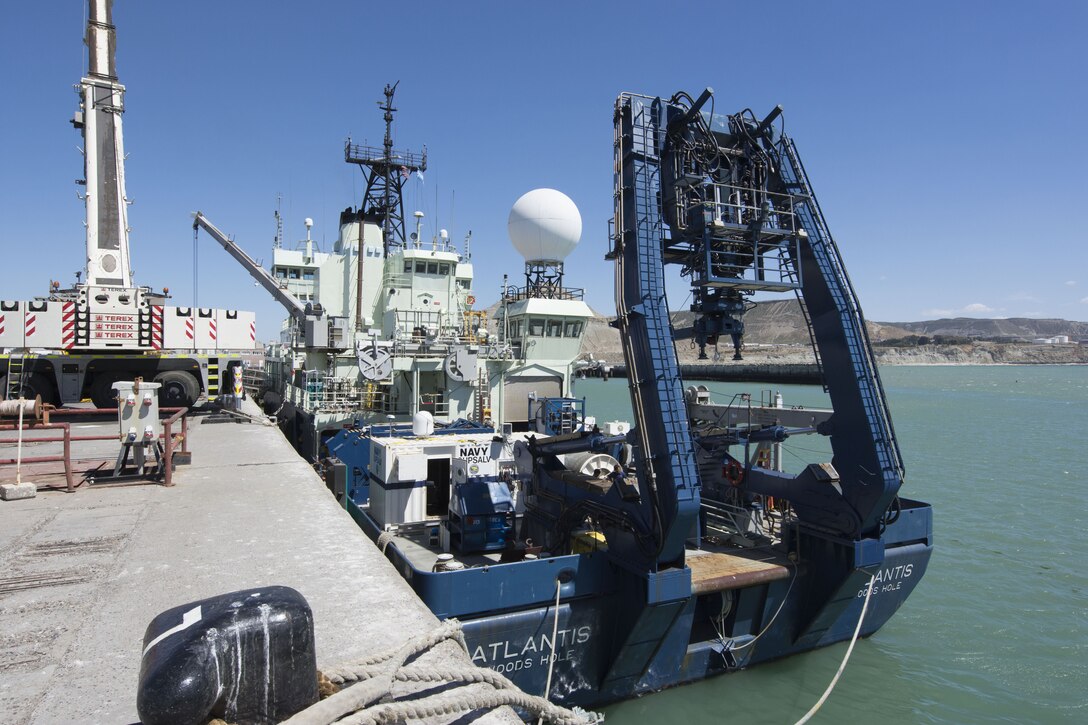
775, 333
780, 323
768, 323
1020, 328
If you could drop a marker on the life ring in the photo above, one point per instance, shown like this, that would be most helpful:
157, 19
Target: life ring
471, 300
733, 472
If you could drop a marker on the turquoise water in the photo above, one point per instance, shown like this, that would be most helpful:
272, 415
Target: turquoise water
997, 632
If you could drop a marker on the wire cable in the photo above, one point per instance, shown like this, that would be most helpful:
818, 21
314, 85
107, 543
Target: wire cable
778, 611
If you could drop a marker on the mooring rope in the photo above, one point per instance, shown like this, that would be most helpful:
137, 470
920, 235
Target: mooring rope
385, 538
845, 659
365, 703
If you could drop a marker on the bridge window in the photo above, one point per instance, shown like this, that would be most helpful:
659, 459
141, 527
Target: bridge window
408, 266
293, 273
421, 267
280, 272
307, 274
573, 328
443, 269
536, 327
432, 267
555, 328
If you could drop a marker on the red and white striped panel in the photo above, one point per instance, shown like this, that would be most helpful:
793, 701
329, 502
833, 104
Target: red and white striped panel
68, 325
156, 327
189, 330
211, 329
31, 325
252, 331
2, 327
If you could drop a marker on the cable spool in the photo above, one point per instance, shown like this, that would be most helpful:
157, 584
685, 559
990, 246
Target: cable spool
29, 408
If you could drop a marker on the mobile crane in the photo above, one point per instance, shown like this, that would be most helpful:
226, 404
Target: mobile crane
75, 343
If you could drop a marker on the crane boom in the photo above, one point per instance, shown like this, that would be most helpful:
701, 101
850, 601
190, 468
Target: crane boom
101, 107
259, 273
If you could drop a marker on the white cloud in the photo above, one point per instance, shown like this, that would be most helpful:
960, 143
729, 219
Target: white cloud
1071, 283
1084, 300
975, 308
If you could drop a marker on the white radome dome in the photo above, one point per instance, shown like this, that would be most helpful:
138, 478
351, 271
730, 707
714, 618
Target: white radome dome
544, 226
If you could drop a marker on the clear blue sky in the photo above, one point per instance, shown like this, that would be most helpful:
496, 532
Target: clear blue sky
945, 140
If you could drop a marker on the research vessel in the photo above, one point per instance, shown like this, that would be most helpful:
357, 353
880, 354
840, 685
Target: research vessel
591, 561
385, 324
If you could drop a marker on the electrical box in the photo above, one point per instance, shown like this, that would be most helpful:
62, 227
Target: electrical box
317, 332
138, 411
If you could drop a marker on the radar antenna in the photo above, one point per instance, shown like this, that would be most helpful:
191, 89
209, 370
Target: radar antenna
385, 171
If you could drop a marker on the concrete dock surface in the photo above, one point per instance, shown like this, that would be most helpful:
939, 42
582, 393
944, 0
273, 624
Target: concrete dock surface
82, 574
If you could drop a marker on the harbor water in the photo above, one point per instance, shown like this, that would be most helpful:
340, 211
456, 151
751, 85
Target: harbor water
997, 632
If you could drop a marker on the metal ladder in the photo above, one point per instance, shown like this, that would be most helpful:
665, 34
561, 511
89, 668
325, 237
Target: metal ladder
16, 371
862, 360
792, 275
483, 396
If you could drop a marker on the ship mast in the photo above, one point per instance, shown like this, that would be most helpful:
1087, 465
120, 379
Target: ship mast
99, 118
386, 171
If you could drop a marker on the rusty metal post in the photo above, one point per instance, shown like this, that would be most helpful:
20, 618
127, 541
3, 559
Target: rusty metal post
168, 463
168, 435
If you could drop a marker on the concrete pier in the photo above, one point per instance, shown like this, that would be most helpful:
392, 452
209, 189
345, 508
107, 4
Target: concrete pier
82, 574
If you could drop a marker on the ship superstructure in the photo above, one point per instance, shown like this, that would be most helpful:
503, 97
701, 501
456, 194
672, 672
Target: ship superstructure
385, 325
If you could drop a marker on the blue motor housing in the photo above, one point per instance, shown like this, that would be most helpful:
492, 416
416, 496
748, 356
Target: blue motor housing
246, 657
481, 515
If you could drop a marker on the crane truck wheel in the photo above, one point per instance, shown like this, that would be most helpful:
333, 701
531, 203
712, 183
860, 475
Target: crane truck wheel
102, 392
33, 385
179, 389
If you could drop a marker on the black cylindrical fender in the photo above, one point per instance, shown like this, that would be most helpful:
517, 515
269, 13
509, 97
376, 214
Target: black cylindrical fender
247, 657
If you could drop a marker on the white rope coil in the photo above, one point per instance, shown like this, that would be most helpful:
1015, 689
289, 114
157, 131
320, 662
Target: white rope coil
21, 407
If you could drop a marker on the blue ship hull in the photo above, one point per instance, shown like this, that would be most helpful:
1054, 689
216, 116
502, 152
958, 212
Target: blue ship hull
509, 613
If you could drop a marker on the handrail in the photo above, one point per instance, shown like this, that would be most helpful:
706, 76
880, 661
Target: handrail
65, 458
168, 453
170, 442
